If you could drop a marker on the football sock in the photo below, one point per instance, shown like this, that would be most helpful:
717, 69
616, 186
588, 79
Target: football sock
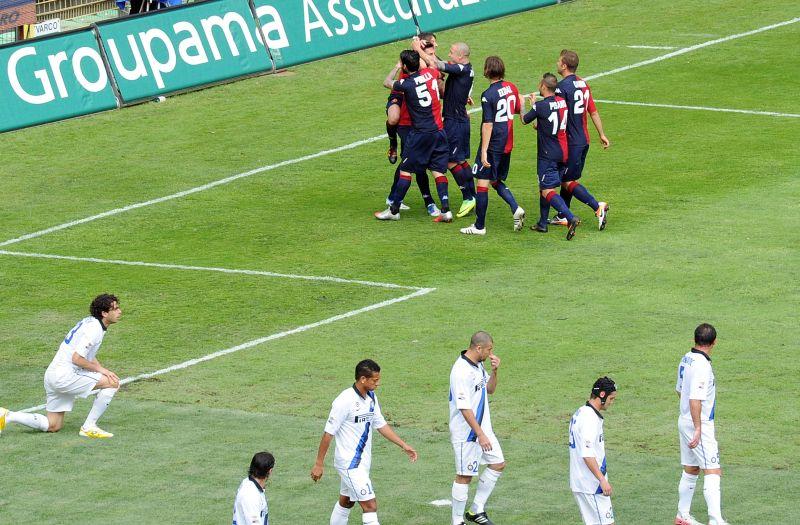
370, 518
711, 491
486, 484
400, 193
544, 211
481, 207
469, 182
566, 195
557, 202
393, 189
35, 421
582, 194
99, 406
461, 180
441, 189
506, 195
340, 515
686, 493
424, 185
391, 130
459, 496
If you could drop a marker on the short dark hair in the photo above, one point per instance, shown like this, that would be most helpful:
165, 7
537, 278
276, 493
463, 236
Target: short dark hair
550, 81
425, 35
480, 338
261, 464
410, 59
366, 368
102, 303
705, 335
603, 384
494, 67
570, 59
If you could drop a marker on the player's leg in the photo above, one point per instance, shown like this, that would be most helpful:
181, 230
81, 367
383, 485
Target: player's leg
691, 469
481, 203
549, 179
414, 147
34, 421
595, 508
424, 185
503, 164
437, 163
362, 491
107, 389
370, 512
712, 474
486, 482
392, 119
467, 456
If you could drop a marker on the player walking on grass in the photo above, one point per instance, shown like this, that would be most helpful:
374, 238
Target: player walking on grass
575, 91
587, 456
76, 372
250, 506
426, 145
471, 434
500, 102
549, 116
354, 415
697, 390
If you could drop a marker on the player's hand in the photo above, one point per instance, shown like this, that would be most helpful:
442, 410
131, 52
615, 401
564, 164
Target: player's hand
494, 361
485, 160
470, 101
411, 453
604, 141
111, 377
695, 438
484, 442
605, 486
316, 473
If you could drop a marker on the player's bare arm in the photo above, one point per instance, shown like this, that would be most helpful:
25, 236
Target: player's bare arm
388, 82
324, 444
695, 408
605, 486
95, 366
491, 386
486, 136
469, 417
389, 433
598, 124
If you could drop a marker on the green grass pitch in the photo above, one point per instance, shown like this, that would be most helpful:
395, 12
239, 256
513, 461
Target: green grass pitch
703, 227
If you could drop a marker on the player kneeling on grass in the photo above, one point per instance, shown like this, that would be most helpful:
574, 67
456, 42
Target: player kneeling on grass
471, 434
587, 456
76, 372
354, 415
250, 506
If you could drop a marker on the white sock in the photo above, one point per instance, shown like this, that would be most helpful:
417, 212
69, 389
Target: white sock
370, 518
460, 493
99, 406
486, 484
340, 515
686, 493
35, 421
711, 491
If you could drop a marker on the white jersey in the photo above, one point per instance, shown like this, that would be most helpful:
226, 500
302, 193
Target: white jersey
586, 441
85, 339
468, 382
250, 507
696, 381
351, 422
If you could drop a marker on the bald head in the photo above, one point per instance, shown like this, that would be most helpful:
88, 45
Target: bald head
480, 339
459, 53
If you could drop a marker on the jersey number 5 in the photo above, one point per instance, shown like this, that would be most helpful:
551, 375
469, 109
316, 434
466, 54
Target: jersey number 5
424, 95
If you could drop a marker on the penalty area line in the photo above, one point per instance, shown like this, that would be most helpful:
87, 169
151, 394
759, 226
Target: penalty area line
262, 340
700, 108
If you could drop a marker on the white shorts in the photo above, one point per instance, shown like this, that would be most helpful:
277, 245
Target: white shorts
469, 455
595, 508
356, 484
62, 387
706, 454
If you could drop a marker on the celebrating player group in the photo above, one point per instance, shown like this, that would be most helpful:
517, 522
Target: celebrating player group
428, 114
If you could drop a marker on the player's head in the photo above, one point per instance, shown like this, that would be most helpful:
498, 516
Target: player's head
605, 390
494, 68
481, 344
368, 374
705, 336
105, 308
567, 62
430, 38
548, 84
459, 53
261, 465
410, 61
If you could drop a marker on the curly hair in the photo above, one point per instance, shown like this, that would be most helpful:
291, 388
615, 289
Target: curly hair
102, 303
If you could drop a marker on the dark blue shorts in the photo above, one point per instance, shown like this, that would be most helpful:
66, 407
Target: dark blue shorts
498, 171
425, 151
395, 99
549, 172
576, 158
402, 132
457, 139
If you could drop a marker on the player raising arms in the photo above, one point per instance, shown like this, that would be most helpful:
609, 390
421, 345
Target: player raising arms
354, 415
550, 119
500, 102
426, 145
575, 91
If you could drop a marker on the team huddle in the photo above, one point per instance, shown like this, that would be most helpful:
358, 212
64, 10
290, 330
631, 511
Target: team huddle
428, 114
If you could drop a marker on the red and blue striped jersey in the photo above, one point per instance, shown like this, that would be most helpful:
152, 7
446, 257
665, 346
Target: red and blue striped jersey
551, 116
422, 99
580, 104
500, 102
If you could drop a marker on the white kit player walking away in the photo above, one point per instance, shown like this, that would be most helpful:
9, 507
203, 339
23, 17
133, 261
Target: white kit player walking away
250, 506
587, 455
471, 434
76, 372
698, 392
354, 415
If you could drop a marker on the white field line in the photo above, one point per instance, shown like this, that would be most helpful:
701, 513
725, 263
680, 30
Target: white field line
261, 340
701, 108
441, 503
650, 47
358, 143
211, 269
